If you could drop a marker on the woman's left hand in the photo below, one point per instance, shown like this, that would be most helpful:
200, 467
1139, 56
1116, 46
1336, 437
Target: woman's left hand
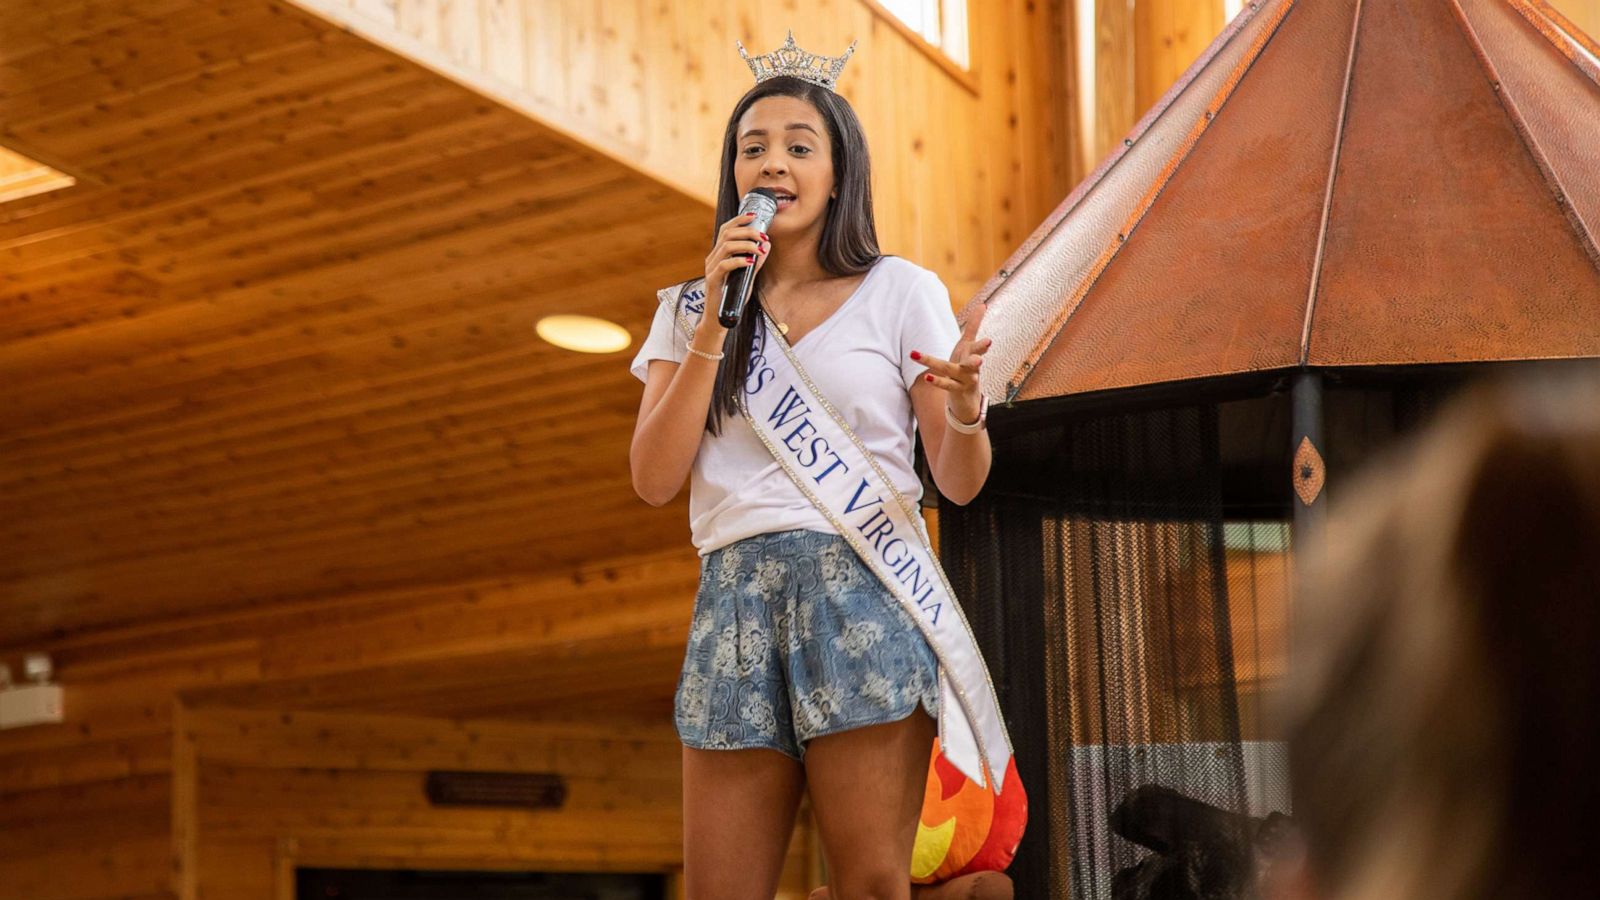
959, 375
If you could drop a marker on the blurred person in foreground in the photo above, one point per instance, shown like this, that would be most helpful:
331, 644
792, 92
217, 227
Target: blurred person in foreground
1446, 680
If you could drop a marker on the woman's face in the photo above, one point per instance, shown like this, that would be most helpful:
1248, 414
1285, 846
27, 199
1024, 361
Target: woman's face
783, 145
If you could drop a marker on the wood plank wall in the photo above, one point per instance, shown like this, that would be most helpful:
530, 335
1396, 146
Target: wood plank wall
86, 806
1169, 35
1131, 52
273, 791
95, 839
965, 166
1583, 13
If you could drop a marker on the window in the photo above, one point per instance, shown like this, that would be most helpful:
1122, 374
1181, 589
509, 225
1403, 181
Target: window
942, 23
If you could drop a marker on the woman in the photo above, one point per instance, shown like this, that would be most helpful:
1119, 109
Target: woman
803, 671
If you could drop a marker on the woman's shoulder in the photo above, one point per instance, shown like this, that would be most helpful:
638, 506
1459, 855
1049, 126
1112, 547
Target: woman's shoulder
911, 284
899, 270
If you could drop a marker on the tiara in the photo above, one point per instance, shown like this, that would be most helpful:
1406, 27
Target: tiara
792, 61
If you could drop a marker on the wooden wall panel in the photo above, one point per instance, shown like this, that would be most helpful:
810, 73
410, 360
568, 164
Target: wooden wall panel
1583, 13
651, 84
129, 868
416, 19
509, 649
1044, 141
104, 839
1113, 95
1136, 50
276, 790
117, 710
1168, 36
232, 868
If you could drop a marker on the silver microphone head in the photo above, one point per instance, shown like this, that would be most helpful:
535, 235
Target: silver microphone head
764, 203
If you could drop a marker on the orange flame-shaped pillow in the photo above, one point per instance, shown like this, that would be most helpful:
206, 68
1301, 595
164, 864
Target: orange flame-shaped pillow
964, 827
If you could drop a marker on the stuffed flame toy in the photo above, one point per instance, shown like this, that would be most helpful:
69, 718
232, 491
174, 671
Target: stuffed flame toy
965, 828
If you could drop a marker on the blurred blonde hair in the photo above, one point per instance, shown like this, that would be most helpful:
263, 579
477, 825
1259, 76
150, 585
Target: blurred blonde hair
1446, 675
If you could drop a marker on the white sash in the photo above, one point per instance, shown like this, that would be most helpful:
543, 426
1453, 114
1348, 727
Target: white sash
831, 467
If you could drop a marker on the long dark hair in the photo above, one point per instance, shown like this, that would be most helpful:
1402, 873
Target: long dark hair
849, 243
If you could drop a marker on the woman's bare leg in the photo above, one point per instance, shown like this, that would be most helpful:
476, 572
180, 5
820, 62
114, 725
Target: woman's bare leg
866, 789
739, 809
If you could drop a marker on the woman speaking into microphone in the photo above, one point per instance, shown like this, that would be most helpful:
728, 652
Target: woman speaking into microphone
825, 650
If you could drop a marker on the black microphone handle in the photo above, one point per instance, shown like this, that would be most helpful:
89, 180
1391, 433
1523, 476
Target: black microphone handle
735, 294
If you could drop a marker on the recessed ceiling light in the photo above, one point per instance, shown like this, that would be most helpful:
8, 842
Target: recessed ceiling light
585, 334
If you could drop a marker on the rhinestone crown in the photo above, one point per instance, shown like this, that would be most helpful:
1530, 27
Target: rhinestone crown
791, 60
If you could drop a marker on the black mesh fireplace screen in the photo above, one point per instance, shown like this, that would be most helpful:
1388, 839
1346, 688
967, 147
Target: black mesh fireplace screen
1162, 624
1127, 573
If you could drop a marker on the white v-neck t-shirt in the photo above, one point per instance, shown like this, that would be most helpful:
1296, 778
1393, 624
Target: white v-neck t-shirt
859, 358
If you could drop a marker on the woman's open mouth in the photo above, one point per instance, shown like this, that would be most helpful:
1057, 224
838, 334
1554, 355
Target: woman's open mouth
785, 199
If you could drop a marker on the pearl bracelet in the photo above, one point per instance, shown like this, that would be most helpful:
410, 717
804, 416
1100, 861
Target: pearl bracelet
969, 427
701, 353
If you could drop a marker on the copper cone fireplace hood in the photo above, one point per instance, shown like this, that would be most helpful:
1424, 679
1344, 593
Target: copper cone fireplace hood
1334, 183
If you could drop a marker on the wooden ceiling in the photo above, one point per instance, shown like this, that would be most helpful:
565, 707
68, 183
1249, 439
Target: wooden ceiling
277, 342
602, 680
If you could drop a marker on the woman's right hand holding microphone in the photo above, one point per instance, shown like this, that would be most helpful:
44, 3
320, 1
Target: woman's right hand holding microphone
739, 245
672, 413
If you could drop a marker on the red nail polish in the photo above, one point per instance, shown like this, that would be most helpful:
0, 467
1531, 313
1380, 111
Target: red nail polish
915, 355
928, 377
764, 236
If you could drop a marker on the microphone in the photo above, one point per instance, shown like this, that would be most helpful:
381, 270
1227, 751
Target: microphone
736, 289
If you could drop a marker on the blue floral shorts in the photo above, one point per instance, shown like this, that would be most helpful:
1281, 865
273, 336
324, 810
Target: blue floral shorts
793, 638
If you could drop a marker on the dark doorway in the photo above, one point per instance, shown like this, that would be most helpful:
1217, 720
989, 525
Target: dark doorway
409, 884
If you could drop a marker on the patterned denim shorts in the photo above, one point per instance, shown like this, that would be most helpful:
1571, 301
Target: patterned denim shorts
792, 638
